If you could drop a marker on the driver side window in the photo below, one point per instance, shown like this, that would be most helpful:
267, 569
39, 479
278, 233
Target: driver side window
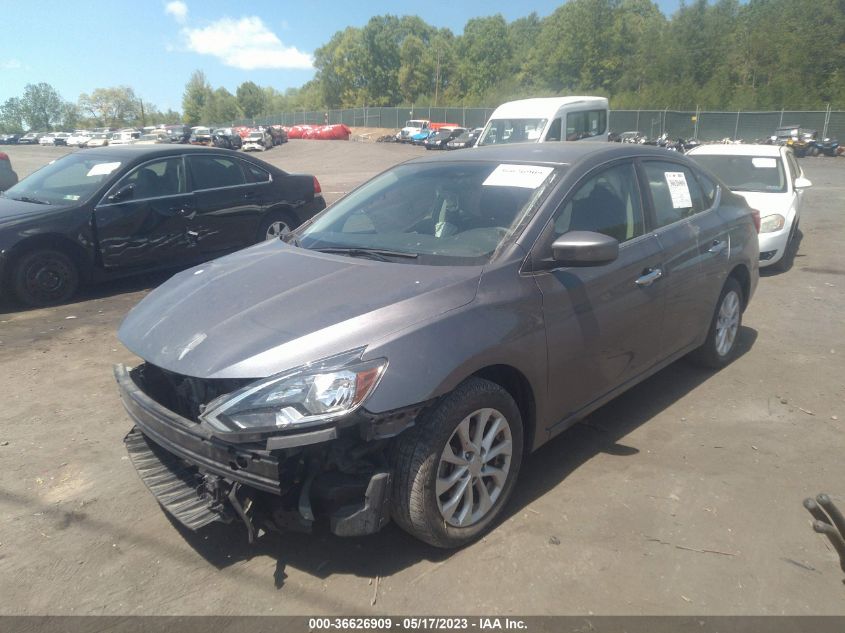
155, 179
607, 202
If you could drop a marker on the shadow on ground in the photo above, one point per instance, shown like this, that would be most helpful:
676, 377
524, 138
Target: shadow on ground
322, 554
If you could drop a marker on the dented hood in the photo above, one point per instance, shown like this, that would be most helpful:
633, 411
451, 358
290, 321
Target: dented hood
273, 306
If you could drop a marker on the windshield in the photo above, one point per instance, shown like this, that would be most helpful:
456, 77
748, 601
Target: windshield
414, 123
500, 131
762, 174
444, 213
67, 180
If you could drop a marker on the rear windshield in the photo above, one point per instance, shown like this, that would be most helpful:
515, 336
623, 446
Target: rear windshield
764, 174
440, 214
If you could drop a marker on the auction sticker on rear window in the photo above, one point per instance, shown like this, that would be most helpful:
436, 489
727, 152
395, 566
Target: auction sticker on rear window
678, 189
525, 176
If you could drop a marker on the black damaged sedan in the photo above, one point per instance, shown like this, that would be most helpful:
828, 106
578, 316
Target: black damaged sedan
115, 211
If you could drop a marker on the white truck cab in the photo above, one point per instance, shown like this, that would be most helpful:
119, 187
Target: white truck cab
414, 126
547, 119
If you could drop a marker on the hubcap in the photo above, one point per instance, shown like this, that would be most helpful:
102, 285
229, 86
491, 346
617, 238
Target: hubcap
474, 467
277, 229
727, 323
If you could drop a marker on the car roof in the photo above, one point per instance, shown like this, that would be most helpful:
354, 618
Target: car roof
741, 149
557, 153
133, 152
542, 106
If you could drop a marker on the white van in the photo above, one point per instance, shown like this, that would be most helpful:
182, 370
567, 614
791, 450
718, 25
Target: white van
547, 119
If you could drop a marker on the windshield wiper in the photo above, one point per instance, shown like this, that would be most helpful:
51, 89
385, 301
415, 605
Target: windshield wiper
33, 200
379, 254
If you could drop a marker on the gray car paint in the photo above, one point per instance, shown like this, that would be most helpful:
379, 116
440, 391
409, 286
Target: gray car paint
578, 336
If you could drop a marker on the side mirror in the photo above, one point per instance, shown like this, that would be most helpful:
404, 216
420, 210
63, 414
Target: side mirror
584, 248
802, 183
124, 193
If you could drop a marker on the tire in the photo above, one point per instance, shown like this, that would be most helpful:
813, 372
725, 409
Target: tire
718, 350
456, 516
44, 277
274, 226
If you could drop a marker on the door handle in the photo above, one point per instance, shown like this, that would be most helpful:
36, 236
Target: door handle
249, 195
717, 247
649, 276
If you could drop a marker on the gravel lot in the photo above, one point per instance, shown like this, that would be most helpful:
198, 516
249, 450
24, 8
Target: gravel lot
683, 496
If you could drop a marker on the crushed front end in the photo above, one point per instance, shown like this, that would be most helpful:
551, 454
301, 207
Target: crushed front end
335, 472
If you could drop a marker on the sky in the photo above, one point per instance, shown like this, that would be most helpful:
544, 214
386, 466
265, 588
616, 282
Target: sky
154, 45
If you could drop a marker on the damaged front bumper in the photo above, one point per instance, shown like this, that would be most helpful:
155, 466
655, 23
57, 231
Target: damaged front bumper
288, 482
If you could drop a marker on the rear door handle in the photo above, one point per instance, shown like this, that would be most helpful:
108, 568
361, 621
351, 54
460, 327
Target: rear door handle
717, 247
649, 276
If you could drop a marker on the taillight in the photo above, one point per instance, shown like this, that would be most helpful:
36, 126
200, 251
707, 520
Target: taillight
318, 189
4, 156
755, 215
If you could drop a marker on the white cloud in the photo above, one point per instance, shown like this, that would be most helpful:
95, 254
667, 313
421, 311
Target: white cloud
245, 43
178, 9
10, 64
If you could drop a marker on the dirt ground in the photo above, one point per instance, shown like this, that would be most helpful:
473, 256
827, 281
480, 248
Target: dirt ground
683, 496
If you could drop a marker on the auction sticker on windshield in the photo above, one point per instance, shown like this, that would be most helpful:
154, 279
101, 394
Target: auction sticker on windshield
103, 169
525, 176
678, 189
764, 163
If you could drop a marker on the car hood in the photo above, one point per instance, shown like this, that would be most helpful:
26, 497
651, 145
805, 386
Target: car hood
12, 210
767, 203
273, 306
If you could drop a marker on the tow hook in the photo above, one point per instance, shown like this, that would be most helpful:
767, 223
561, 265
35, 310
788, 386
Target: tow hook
828, 521
242, 510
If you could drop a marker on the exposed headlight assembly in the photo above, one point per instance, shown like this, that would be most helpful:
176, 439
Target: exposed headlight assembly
307, 396
772, 223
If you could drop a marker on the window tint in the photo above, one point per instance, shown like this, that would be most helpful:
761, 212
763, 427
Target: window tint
157, 178
584, 124
708, 189
210, 172
554, 131
255, 173
608, 203
674, 192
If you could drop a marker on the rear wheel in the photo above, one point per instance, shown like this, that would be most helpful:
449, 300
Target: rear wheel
455, 470
44, 277
719, 348
274, 226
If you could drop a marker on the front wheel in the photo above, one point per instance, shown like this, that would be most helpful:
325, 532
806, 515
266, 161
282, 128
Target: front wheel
720, 347
44, 277
455, 470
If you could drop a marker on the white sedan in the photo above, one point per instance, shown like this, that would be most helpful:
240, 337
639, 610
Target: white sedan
770, 179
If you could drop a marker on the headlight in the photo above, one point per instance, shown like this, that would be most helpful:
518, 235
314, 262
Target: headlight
307, 396
772, 223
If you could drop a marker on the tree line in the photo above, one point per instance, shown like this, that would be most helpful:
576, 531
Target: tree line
762, 54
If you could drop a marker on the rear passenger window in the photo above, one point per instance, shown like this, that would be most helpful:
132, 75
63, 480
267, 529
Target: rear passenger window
211, 172
254, 173
708, 189
674, 191
608, 203
585, 124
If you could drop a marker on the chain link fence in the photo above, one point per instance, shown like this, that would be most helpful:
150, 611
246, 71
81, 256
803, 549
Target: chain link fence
703, 125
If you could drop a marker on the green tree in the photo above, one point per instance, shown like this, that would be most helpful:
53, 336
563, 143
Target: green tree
220, 108
41, 106
11, 116
252, 99
197, 93
114, 107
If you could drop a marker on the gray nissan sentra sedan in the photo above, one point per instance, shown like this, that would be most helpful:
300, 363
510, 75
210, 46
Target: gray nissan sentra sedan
402, 352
